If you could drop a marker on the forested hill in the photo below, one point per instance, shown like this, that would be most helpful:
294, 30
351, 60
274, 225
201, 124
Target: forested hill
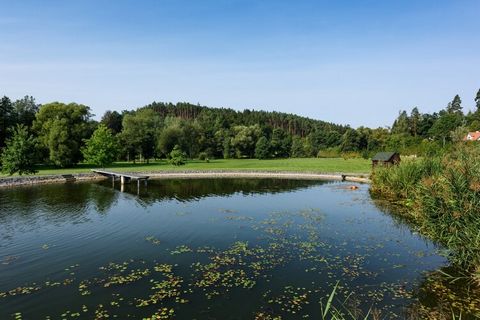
290, 123
65, 134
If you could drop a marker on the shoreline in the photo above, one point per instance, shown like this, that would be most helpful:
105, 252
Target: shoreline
8, 182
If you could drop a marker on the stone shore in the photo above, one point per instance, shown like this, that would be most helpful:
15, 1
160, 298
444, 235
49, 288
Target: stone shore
43, 179
187, 174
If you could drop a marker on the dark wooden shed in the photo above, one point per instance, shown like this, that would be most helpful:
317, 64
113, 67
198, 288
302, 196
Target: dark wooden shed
386, 158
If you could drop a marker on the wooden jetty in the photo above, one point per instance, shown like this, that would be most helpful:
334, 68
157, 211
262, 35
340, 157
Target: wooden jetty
124, 177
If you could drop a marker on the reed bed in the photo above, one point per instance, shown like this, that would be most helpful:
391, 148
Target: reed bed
441, 195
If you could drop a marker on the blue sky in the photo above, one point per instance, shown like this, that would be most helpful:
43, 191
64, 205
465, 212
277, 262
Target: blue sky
351, 62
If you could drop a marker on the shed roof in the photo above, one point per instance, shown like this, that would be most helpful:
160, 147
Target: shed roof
383, 156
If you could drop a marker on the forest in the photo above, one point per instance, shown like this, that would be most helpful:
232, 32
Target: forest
65, 134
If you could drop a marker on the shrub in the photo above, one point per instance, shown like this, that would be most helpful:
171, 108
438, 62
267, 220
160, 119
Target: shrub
350, 155
177, 156
202, 156
328, 153
366, 154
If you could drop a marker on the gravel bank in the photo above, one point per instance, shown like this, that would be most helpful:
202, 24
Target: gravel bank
32, 180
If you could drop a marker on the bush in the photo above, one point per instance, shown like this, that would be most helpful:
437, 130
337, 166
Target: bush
366, 154
328, 153
350, 155
177, 156
202, 156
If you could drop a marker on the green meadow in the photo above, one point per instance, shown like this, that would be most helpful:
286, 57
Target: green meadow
319, 165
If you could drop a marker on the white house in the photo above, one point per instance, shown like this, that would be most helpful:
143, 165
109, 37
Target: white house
472, 136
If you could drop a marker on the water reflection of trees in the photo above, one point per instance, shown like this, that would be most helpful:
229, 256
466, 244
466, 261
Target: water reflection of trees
33, 206
53, 203
196, 189
52, 196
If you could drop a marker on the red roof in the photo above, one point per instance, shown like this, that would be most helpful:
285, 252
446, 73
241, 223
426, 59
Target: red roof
472, 136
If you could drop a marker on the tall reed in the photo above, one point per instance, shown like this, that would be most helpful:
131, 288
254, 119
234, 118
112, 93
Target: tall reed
442, 194
400, 182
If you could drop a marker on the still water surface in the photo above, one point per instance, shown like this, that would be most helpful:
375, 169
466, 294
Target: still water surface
204, 249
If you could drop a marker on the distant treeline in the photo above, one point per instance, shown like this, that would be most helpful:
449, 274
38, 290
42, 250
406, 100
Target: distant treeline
57, 132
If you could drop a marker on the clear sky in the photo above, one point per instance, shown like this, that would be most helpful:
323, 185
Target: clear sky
351, 62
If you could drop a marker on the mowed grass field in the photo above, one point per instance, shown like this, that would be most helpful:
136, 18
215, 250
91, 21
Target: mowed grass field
320, 165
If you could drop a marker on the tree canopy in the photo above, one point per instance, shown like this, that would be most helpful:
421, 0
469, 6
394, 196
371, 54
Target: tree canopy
7, 119
102, 148
19, 154
61, 129
64, 132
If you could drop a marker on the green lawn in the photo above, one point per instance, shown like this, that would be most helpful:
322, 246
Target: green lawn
322, 165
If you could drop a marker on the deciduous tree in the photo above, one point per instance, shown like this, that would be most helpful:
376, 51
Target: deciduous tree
19, 154
244, 140
262, 148
298, 148
350, 141
169, 137
102, 148
61, 129
139, 134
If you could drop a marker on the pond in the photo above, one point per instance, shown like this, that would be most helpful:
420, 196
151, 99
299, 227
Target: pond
204, 249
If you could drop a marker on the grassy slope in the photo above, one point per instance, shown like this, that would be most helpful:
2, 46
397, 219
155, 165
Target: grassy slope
323, 165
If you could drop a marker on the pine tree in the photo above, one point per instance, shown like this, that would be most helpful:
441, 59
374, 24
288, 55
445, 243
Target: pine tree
113, 121
25, 110
6, 119
415, 119
477, 100
401, 125
455, 106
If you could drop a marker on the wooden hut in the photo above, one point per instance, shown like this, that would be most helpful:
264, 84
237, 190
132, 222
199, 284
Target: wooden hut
386, 159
